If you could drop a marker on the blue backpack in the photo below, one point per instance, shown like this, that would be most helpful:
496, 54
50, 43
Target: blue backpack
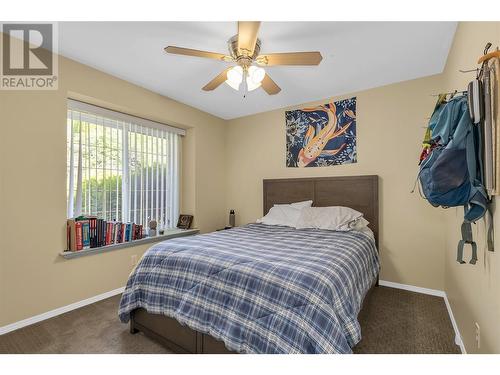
451, 170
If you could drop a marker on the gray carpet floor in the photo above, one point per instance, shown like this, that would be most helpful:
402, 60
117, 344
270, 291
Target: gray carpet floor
393, 321
396, 321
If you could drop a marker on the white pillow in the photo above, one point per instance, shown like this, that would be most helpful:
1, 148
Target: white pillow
331, 218
281, 215
297, 204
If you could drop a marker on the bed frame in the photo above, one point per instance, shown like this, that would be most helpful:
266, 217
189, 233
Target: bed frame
357, 192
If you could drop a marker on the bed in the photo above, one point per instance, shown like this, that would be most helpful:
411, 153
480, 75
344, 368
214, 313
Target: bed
260, 288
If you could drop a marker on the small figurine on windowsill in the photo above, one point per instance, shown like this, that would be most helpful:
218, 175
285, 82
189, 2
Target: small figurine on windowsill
152, 228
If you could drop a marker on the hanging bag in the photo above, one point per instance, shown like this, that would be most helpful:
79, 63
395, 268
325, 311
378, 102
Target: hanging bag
450, 174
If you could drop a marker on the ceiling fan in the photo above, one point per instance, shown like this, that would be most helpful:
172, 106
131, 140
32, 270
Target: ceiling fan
244, 49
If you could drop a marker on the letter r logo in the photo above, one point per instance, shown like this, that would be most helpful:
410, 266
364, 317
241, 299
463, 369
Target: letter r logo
27, 49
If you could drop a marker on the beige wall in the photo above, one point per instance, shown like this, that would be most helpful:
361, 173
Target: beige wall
390, 127
473, 291
33, 277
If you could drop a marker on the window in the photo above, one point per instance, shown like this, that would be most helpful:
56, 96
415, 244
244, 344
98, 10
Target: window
121, 167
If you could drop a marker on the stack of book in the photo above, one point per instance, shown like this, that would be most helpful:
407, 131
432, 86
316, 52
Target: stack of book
87, 232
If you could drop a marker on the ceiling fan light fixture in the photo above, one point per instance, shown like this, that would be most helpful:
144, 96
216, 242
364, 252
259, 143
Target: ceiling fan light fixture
235, 77
251, 85
235, 86
256, 74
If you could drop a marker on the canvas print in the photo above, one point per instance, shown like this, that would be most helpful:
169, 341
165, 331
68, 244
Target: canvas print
321, 136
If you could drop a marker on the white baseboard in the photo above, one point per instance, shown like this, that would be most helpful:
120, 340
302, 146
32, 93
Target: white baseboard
412, 288
432, 292
58, 311
458, 337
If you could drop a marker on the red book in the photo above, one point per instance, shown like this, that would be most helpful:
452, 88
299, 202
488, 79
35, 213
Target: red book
124, 227
106, 237
78, 235
132, 235
108, 233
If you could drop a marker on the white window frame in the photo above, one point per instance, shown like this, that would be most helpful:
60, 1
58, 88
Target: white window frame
132, 124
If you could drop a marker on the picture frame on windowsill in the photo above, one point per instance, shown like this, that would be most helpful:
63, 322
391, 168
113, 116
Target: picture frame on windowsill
185, 221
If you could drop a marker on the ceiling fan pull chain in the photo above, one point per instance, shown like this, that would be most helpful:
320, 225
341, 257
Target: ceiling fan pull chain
244, 83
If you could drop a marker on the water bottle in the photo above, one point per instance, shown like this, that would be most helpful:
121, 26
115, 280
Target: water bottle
232, 219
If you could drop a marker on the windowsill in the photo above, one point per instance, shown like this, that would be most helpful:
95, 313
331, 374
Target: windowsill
170, 233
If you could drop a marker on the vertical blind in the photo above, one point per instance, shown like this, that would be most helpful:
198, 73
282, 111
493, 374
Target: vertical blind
121, 167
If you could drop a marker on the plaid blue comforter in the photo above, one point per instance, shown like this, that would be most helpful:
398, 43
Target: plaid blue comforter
260, 288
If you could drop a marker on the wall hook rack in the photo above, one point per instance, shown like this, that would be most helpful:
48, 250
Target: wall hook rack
453, 93
469, 70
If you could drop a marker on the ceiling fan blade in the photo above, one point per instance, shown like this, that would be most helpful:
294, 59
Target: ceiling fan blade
247, 36
290, 58
197, 53
270, 86
217, 81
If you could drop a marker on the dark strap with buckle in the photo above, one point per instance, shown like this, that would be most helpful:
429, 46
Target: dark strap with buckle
466, 239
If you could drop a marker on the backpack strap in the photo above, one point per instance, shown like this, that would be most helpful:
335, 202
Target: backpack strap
479, 204
466, 230
490, 233
466, 239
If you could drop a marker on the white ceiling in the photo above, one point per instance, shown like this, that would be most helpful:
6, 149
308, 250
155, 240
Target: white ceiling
356, 56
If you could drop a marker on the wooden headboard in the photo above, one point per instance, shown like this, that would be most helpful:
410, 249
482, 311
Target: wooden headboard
357, 192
